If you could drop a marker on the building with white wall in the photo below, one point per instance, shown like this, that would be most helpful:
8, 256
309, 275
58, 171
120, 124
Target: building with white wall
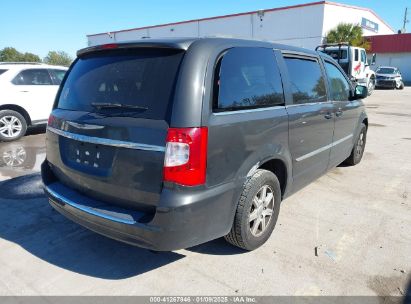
303, 25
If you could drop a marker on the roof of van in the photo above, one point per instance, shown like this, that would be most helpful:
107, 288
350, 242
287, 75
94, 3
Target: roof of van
185, 43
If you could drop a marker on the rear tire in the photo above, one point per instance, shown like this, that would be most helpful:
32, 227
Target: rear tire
358, 149
257, 211
12, 125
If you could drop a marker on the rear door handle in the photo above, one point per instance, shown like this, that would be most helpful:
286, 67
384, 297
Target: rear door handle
339, 112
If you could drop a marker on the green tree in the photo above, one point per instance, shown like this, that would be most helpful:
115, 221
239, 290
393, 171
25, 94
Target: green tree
29, 57
347, 32
58, 58
10, 54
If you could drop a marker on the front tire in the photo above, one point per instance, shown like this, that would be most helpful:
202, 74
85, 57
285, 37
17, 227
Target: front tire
257, 211
358, 149
371, 86
12, 125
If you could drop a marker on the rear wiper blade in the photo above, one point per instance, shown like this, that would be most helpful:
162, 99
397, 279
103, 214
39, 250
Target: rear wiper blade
109, 105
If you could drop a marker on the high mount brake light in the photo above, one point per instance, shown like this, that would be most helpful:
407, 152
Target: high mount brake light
109, 46
185, 161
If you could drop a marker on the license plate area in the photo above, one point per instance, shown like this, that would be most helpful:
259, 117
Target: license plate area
87, 157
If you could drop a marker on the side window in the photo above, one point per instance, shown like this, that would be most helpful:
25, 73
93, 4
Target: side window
339, 86
2, 71
363, 57
356, 55
247, 78
57, 75
306, 80
33, 77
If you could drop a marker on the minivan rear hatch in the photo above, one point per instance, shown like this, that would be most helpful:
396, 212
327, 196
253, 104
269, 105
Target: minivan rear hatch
107, 132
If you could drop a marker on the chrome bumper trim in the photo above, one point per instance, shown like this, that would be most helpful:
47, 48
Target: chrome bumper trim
106, 141
91, 211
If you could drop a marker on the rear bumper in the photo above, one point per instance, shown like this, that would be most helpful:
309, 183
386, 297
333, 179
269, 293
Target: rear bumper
182, 219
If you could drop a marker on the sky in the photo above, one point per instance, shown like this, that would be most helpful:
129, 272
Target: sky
38, 26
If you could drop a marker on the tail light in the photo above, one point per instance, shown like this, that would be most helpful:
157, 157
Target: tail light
185, 161
50, 120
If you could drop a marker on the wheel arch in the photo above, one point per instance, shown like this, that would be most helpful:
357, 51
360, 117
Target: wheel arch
18, 109
279, 168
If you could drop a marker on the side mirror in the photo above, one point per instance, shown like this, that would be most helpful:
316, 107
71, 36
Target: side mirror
360, 92
374, 57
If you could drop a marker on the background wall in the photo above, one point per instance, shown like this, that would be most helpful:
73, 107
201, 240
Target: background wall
399, 60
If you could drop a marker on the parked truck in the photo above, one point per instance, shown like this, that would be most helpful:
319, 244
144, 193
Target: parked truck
353, 61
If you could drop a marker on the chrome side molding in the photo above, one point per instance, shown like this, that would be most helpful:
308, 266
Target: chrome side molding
322, 149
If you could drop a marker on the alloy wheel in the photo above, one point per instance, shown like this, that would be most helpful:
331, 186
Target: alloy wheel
261, 211
10, 126
360, 145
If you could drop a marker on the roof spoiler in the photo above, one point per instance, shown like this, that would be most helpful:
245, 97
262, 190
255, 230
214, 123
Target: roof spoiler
130, 45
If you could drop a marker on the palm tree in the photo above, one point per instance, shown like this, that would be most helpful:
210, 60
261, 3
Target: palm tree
348, 32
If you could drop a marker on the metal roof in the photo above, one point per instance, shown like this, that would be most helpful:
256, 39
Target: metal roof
396, 43
248, 13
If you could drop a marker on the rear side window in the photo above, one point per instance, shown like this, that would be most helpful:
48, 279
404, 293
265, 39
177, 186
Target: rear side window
306, 80
338, 84
247, 78
57, 76
142, 80
2, 71
33, 77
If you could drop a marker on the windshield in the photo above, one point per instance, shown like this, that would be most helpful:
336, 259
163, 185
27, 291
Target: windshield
386, 71
138, 82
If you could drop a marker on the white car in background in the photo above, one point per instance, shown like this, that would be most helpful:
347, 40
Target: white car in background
27, 93
389, 77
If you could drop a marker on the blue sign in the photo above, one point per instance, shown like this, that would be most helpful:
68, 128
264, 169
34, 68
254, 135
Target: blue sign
369, 25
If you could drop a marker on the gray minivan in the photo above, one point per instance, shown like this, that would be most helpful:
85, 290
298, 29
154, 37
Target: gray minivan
166, 144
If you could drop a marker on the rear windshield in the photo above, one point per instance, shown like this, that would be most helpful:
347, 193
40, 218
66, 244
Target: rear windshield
138, 83
337, 54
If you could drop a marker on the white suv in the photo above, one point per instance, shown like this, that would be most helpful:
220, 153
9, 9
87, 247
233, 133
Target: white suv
27, 93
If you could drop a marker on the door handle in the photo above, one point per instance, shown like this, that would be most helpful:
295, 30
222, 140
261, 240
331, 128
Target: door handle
24, 91
328, 115
339, 112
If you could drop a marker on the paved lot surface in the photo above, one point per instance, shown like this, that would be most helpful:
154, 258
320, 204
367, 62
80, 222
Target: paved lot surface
359, 219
